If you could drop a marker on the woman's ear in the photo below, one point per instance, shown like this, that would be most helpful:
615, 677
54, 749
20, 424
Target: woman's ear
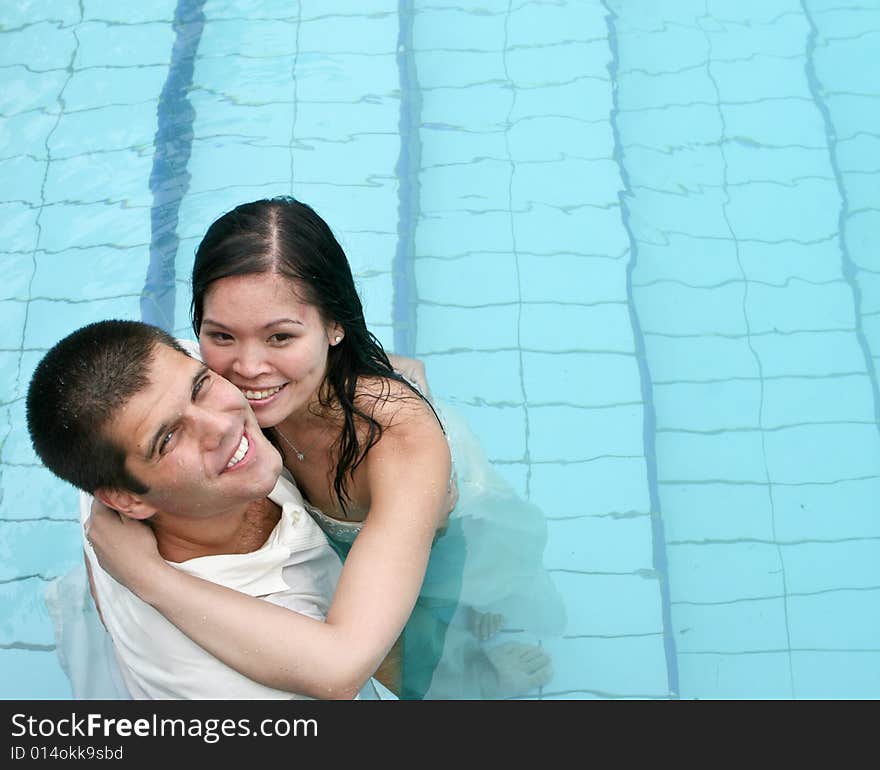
126, 503
335, 333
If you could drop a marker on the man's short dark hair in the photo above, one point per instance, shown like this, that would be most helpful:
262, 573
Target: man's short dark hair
77, 389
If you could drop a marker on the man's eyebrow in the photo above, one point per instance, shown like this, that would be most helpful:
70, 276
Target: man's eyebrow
164, 427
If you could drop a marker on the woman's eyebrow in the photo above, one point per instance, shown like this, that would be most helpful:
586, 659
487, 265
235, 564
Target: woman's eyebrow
276, 322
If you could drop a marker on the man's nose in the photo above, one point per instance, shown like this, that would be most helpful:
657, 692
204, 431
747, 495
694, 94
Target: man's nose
215, 427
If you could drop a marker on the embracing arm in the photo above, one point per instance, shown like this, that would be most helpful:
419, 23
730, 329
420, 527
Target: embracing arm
407, 472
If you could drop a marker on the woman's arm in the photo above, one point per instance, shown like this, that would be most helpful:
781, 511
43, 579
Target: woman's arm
413, 369
407, 473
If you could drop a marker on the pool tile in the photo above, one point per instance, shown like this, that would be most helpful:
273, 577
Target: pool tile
368, 33
648, 93
17, 270
452, 376
843, 509
460, 69
818, 567
583, 98
500, 430
709, 406
25, 619
716, 573
614, 431
477, 108
581, 379
809, 353
822, 453
834, 399
609, 485
703, 358
68, 227
33, 91
478, 279
731, 456
109, 10
760, 211
459, 233
101, 276
32, 674
539, 25
750, 626
60, 548
536, 65
675, 309
102, 86
566, 183
18, 226
607, 668
753, 676
704, 512
564, 328
43, 45
599, 544
457, 328
543, 229
116, 127
97, 177
12, 322
128, 45
781, 122
527, 140
50, 320
839, 620
832, 674
457, 29
571, 278
475, 187
610, 605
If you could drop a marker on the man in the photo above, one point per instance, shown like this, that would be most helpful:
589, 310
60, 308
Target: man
120, 410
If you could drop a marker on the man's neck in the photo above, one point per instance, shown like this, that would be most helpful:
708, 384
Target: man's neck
181, 538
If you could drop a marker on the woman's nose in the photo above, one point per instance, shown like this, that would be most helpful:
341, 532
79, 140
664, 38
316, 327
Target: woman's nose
249, 363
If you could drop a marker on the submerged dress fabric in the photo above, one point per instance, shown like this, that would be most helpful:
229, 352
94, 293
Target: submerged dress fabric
489, 559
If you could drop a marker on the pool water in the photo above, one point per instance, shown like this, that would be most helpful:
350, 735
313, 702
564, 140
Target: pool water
636, 243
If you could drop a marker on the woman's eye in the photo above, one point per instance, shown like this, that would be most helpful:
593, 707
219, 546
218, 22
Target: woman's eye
281, 337
219, 336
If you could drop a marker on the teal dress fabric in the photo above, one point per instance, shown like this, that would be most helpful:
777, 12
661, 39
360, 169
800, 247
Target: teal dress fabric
488, 559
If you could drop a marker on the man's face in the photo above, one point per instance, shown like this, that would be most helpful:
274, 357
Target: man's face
191, 437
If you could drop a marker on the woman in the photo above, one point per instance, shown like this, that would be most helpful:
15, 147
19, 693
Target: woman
277, 313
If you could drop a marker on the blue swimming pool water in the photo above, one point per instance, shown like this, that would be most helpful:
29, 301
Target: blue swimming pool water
637, 243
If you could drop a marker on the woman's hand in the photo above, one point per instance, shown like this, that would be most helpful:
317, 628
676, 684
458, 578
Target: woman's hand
126, 548
414, 370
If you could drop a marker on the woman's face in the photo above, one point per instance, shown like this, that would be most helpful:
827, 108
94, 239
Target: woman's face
259, 334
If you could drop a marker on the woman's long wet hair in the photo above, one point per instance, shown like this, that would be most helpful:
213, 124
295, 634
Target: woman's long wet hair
285, 236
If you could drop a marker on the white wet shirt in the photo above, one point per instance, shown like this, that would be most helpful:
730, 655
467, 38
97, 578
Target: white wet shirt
295, 568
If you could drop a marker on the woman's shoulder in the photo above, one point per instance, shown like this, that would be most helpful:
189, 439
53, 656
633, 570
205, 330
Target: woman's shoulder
395, 405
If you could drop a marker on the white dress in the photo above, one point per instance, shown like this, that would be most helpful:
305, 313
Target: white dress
488, 559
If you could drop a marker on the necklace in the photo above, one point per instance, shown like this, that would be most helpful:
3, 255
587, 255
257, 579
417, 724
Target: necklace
301, 456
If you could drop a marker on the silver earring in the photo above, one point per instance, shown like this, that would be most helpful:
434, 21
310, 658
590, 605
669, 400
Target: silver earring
337, 338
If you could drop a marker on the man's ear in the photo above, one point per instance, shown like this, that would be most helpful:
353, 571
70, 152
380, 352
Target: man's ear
126, 503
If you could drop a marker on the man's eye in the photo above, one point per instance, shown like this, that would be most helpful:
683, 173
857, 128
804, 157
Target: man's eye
166, 439
199, 385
